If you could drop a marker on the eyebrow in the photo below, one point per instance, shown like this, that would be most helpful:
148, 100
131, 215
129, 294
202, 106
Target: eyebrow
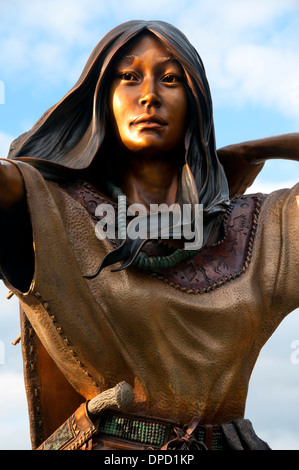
161, 60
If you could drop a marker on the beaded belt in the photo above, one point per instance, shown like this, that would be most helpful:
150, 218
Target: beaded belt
154, 434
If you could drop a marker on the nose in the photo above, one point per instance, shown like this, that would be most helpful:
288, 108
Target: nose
150, 99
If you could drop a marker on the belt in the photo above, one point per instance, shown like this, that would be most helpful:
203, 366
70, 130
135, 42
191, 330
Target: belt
124, 431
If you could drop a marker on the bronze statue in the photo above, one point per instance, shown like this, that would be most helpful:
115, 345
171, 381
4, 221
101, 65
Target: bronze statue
182, 328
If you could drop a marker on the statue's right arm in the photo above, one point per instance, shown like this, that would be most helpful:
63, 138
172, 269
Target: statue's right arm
16, 245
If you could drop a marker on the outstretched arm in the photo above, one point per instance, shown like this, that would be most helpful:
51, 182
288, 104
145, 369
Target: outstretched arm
242, 162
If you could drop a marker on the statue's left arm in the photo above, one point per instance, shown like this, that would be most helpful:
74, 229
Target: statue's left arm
242, 162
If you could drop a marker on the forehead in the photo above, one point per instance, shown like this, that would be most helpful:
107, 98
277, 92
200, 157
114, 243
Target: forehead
146, 49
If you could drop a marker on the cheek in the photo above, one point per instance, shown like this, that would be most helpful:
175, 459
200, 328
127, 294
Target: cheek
116, 107
182, 106
117, 110
180, 110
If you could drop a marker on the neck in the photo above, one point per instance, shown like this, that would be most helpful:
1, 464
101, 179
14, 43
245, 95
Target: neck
150, 181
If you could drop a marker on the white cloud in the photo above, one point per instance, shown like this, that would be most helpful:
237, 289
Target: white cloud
281, 439
14, 425
12, 393
45, 37
262, 186
250, 51
66, 20
272, 403
14, 52
5, 141
263, 75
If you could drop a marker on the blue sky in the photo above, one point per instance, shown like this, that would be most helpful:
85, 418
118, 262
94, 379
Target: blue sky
251, 54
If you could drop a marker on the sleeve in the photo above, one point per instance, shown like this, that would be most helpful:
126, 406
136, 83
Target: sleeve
16, 252
279, 260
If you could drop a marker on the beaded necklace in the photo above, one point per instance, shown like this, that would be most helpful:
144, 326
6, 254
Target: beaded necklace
150, 263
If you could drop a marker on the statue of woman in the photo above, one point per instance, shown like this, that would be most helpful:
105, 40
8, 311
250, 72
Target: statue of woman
183, 327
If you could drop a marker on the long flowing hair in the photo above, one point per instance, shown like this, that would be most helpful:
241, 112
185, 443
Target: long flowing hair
69, 136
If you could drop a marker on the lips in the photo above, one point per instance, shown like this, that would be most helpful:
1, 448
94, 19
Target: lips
149, 120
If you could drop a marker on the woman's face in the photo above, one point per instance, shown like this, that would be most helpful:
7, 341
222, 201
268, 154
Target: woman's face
147, 100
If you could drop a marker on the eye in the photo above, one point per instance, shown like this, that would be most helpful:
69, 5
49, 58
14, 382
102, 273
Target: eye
171, 78
128, 77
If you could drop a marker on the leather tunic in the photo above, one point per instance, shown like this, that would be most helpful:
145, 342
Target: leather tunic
185, 338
